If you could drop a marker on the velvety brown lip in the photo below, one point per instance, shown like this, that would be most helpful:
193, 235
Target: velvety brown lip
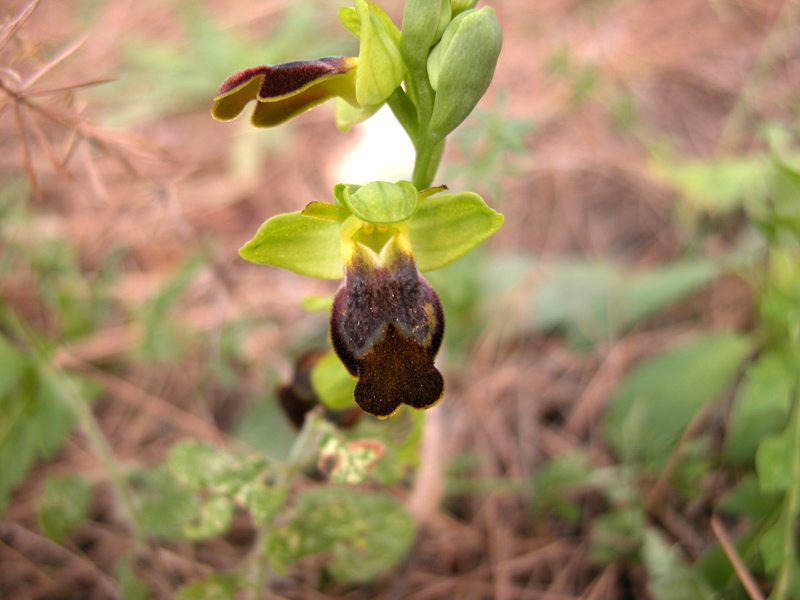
387, 325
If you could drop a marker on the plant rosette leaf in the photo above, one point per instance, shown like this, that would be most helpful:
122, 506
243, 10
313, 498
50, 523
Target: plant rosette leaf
349, 462
761, 405
659, 398
364, 534
219, 586
214, 518
64, 505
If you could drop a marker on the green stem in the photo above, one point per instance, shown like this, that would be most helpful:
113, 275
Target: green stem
429, 150
429, 155
306, 443
404, 111
95, 435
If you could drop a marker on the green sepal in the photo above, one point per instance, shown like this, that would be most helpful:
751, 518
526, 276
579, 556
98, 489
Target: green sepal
300, 244
348, 115
326, 211
349, 18
332, 383
445, 16
459, 6
380, 64
382, 202
461, 66
338, 192
417, 35
444, 228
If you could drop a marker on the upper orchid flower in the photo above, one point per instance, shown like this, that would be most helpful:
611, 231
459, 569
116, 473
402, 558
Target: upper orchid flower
284, 91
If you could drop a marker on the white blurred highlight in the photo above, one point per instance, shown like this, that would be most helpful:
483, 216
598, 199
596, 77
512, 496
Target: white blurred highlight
382, 152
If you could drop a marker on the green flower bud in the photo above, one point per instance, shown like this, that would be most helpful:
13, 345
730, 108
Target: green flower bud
417, 35
459, 6
461, 66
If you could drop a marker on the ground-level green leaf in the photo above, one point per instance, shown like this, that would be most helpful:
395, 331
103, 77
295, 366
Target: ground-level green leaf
130, 586
775, 461
761, 405
659, 398
34, 421
592, 301
214, 519
164, 507
670, 577
365, 534
63, 505
220, 586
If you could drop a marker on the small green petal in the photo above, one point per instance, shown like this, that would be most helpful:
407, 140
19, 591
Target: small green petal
382, 202
437, 189
445, 227
300, 244
326, 211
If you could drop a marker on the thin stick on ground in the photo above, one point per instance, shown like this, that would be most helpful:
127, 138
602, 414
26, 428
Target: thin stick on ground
747, 579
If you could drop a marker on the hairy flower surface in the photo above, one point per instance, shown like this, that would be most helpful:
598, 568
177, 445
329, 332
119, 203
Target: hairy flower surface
284, 91
387, 322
